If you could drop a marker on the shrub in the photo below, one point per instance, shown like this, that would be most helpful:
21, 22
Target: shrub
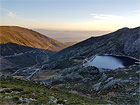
19, 102
15, 99
26, 90
8, 90
2, 92
44, 99
3, 86
60, 102
17, 89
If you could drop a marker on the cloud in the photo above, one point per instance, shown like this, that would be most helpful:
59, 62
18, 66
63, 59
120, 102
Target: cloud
14, 15
4, 9
110, 20
106, 16
11, 14
137, 12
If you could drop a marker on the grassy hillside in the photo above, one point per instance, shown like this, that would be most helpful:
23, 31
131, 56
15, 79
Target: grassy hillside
28, 37
16, 91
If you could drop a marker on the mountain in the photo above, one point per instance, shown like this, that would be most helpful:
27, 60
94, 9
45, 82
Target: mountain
14, 56
69, 70
22, 47
124, 42
30, 38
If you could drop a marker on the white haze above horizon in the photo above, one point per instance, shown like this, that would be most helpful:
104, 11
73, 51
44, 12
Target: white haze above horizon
70, 35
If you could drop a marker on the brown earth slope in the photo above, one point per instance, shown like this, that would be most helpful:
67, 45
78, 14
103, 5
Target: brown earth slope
28, 37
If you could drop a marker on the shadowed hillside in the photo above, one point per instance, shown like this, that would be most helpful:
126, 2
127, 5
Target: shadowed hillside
14, 56
22, 47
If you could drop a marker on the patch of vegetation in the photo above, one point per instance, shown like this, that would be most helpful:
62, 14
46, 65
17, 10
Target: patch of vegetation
31, 92
9, 70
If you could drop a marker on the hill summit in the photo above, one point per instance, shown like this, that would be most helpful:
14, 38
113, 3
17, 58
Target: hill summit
30, 38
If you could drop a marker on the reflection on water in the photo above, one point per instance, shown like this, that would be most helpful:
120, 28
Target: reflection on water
110, 62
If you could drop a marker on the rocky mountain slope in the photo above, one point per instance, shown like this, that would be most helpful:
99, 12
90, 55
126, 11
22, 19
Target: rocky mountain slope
22, 47
124, 42
28, 37
14, 56
118, 86
66, 70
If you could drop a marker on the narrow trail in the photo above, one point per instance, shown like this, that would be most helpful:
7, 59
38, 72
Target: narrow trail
29, 68
37, 62
9, 47
40, 54
36, 70
17, 54
16, 72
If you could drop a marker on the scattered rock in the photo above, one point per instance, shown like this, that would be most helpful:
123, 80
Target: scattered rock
96, 87
110, 78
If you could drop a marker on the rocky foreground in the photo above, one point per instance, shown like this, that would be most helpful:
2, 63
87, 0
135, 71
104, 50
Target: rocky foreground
119, 86
16, 91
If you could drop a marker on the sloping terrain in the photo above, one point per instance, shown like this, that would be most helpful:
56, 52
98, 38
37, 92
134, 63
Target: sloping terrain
66, 69
22, 47
16, 91
124, 42
28, 37
14, 56
119, 86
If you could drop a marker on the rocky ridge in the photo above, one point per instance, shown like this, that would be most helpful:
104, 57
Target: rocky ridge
123, 42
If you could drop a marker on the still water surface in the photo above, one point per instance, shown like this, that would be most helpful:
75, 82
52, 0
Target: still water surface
111, 62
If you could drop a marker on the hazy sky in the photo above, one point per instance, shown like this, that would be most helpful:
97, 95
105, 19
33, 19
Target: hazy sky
71, 14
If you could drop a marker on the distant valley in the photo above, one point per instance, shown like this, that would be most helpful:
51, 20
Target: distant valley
69, 35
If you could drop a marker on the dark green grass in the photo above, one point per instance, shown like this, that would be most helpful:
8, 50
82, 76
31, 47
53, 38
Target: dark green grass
13, 89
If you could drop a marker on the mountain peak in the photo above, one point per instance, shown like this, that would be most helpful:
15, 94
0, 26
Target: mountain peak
126, 28
123, 29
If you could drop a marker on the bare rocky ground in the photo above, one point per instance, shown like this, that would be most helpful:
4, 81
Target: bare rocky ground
119, 86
